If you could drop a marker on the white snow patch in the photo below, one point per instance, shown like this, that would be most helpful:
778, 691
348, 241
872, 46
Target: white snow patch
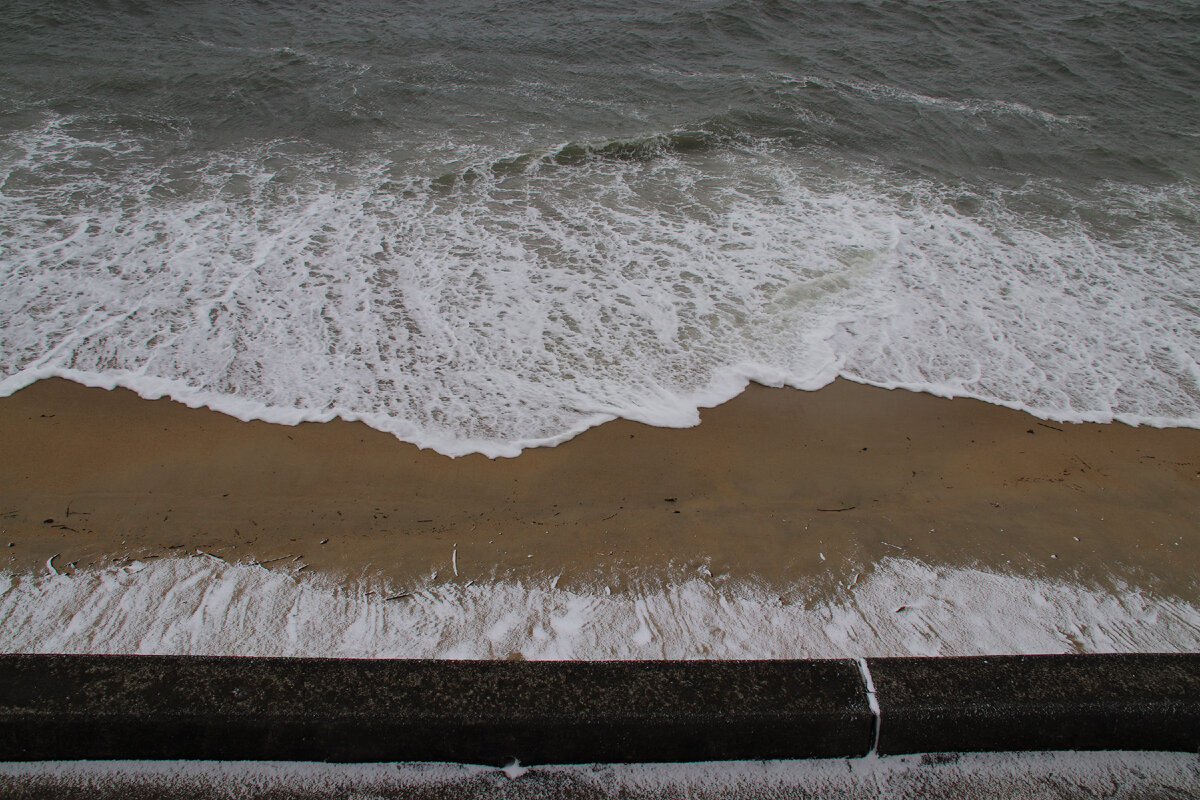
1010, 775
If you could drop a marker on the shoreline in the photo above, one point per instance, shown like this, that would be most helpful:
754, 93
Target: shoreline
778, 486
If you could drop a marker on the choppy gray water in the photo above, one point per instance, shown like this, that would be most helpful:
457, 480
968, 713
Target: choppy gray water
487, 226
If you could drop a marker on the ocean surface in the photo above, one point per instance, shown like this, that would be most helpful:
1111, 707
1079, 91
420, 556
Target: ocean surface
488, 226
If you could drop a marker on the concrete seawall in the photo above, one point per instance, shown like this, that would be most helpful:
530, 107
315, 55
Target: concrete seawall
488, 712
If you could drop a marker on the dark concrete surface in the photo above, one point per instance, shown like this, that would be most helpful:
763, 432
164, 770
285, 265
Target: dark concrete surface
494, 712
1047, 702
483, 712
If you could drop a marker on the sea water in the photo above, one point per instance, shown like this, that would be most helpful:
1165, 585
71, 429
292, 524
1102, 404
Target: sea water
488, 226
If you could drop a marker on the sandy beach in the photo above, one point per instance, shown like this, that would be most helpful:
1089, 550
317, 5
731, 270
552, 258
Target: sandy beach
778, 486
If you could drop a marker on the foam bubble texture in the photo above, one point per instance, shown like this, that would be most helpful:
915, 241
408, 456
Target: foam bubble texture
201, 606
512, 303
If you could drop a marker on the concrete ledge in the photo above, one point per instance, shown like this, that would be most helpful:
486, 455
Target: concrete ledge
485, 712
492, 712
1094, 702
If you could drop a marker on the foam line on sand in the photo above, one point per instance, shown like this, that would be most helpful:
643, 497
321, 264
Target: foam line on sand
199, 605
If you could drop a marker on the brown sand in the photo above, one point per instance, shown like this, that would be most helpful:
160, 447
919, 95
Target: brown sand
780, 485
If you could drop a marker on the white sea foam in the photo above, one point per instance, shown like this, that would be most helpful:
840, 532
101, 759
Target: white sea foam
203, 606
967, 106
964, 106
511, 307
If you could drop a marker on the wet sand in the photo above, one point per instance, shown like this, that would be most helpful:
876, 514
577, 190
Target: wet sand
777, 485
